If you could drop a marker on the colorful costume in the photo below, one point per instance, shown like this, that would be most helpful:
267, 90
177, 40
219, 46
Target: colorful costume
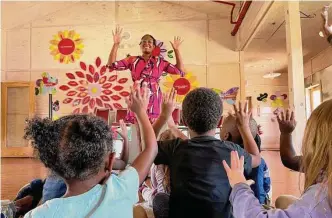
148, 71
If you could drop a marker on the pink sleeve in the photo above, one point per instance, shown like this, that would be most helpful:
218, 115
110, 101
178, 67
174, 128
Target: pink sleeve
171, 69
123, 64
159, 177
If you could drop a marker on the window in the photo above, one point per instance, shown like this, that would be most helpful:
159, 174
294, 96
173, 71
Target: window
314, 98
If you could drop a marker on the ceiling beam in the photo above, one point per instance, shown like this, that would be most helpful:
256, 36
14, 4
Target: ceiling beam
255, 17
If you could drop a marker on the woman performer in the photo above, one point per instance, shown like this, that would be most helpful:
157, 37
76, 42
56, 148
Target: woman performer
146, 68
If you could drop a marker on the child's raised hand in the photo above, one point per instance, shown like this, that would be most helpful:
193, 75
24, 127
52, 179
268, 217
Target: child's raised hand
242, 116
168, 104
124, 132
287, 122
235, 172
138, 99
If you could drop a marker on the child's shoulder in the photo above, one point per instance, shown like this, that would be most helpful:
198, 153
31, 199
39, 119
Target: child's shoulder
230, 145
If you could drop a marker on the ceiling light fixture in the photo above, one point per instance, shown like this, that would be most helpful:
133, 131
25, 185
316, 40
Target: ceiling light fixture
271, 75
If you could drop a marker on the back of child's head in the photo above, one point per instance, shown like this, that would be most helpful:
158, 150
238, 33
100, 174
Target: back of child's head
166, 135
317, 147
202, 109
229, 127
74, 146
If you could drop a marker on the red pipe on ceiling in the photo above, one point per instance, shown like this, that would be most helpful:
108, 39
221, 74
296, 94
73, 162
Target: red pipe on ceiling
233, 7
242, 14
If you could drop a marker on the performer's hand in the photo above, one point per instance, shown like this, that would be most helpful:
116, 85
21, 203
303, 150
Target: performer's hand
235, 171
138, 99
124, 132
176, 43
168, 104
287, 122
117, 35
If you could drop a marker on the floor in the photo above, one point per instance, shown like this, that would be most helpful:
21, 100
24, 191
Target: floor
16, 172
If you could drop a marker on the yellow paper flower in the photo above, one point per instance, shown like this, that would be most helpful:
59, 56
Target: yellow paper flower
66, 46
183, 85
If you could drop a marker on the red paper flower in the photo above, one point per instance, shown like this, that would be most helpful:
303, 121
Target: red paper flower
92, 87
160, 49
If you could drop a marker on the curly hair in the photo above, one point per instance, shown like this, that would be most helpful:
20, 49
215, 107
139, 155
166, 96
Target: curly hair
202, 110
74, 146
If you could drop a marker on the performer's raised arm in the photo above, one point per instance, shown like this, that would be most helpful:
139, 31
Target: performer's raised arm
176, 44
326, 27
116, 40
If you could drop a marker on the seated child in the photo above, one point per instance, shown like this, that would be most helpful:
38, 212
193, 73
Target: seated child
260, 175
79, 149
159, 176
55, 187
316, 200
199, 186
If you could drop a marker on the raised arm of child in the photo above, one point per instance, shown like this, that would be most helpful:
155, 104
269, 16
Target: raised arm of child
122, 162
167, 107
287, 124
242, 117
138, 102
174, 129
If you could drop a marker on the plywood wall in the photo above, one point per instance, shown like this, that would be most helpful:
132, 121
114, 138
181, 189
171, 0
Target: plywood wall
257, 85
318, 70
208, 48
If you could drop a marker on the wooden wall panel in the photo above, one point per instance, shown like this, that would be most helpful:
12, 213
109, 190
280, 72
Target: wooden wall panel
3, 76
23, 75
3, 49
155, 11
18, 49
307, 69
322, 60
223, 76
221, 44
80, 13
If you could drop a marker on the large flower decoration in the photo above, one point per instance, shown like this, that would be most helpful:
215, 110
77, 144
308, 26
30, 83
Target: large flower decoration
160, 49
182, 85
91, 87
66, 46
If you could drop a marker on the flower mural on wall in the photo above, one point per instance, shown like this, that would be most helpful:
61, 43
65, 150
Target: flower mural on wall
66, 46
160, 50
182, 85
91, 87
